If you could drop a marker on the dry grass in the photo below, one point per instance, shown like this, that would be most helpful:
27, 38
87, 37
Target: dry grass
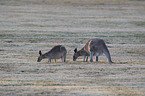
27, 26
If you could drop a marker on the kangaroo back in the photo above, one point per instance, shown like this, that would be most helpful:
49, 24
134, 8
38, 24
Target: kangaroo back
57, 52
94, 45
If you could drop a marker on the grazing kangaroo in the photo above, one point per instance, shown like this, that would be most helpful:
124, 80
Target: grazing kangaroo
56, 52
93, 47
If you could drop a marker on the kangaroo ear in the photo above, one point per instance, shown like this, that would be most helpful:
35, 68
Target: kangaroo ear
75, 50
40, 52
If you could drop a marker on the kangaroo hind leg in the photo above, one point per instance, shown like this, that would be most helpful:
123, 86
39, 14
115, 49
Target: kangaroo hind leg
91, 57
96, 58
87, 59
64, 58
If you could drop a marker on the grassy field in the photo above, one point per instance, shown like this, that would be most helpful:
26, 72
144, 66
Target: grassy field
27, 26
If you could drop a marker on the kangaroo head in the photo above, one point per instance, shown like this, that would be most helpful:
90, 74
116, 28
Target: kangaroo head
76, 54
40, 57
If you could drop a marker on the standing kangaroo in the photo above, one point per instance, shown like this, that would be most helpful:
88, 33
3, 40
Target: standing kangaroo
93, 47
56, 52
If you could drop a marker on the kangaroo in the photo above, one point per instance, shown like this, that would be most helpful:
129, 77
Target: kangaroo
56, 52
93, 47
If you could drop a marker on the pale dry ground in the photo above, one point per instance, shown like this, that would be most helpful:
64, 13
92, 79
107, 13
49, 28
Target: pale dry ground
27, 26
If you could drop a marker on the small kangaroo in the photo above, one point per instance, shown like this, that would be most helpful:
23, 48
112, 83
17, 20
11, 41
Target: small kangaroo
93, 47
56, 52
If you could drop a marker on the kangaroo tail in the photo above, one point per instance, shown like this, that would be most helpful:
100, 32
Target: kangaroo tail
106, 52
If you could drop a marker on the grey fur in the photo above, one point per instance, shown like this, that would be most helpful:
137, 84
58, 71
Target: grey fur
56, 52
93, 47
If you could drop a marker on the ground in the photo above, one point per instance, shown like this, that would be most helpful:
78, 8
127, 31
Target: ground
27, 26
